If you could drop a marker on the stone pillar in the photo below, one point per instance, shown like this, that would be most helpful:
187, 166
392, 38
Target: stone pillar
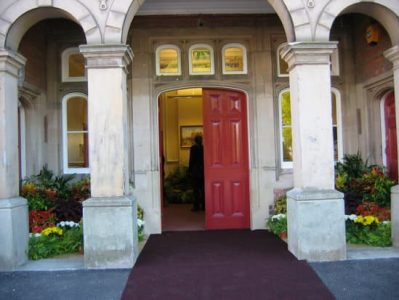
110, 216
393, 55
316, 224
14, 228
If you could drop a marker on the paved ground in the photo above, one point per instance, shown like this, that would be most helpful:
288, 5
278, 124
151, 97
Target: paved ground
361, 279
353, 279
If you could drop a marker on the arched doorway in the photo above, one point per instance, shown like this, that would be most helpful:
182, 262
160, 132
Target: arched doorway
221, 117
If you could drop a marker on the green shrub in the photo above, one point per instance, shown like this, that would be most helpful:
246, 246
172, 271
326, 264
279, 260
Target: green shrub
378, 235
360, 182
277, 223
42, 246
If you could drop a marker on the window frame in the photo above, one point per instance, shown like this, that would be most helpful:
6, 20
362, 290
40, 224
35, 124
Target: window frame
66, 168
212, 57
158, 64
337, 93
65, 66
284, 164
244, 57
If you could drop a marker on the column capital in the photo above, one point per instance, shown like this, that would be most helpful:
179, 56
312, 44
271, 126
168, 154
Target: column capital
11, 62
308, 53
392, 55
107, 56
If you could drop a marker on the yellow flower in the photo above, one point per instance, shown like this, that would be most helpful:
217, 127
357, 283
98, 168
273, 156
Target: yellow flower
367, 220
50, 230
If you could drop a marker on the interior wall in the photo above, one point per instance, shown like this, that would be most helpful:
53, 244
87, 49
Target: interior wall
177, 112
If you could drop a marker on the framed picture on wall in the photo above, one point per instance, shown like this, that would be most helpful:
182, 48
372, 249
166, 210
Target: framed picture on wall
187, 134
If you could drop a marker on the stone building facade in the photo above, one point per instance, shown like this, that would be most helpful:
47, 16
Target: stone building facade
309, 52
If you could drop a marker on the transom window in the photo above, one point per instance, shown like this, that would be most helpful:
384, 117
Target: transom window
201, 60
75, 133
73, 65
168, 60
234, 57
286, 153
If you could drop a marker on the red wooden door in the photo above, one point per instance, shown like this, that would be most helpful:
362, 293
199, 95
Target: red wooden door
391, 149
226, 159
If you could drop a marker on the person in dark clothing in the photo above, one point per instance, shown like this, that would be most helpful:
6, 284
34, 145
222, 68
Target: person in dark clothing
196, 173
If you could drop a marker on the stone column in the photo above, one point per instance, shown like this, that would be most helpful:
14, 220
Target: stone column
14, 228
316, 224
393, 55
110, 216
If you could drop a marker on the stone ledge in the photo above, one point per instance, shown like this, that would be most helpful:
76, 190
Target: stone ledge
124, 201
313, 194
10, 203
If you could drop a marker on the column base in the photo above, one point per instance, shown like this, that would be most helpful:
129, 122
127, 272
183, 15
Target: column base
110, 232
14, 233
316, 225
395, 215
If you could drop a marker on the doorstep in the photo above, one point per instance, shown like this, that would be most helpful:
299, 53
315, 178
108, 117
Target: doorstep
68, 262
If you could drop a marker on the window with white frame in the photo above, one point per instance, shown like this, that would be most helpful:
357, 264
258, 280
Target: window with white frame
73, 65
285, 120
75, 133
234, 57
168, 60
201, 60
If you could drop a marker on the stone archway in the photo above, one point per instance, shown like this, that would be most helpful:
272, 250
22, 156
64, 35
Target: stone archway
121, 14
384, 11
21, 15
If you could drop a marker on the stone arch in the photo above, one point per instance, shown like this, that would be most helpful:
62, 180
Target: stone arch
384, 11
18, 17
299, 13
122, 12
120, 16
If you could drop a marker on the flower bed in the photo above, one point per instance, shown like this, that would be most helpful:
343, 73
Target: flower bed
66, 237
367, 203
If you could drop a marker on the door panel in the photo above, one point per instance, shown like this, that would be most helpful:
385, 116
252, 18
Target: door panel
226, 159
391, 138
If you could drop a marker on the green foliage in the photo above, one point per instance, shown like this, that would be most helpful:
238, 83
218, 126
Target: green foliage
47, 191
361, 182
377, 235
352, 166
280, 205
48, 246
277, 223
177, 188
140, 223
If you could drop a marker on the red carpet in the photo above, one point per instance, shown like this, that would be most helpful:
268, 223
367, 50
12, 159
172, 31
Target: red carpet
231, 264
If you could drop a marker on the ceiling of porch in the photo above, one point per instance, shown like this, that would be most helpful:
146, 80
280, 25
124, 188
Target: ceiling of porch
193, 7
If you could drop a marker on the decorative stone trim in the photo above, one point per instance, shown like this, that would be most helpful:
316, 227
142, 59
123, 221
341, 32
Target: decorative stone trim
11, 62
392, 55
107, 56
308, 53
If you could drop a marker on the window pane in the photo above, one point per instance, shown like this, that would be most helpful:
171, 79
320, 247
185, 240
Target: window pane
335, 136
334, 108
233, 59
201, 60
77, 114
287, 144
286, 108
76, 65
168, 61
78, 150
